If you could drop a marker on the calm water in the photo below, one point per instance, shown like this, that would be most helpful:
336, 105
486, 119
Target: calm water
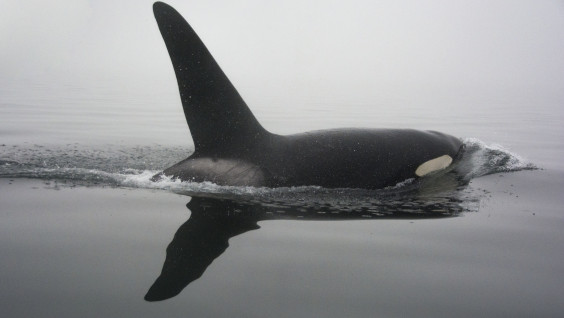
84, 232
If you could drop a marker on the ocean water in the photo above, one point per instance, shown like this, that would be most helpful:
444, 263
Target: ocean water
88, 119
60, 134
83, 224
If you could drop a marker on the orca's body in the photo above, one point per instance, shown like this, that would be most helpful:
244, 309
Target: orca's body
232, 148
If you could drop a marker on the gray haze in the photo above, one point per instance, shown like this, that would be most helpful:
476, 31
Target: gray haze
431, 45
427, 54
88, 96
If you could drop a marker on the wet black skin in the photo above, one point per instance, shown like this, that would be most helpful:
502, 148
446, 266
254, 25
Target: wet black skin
232, 148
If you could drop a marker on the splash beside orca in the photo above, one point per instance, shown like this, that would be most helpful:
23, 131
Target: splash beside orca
232, 148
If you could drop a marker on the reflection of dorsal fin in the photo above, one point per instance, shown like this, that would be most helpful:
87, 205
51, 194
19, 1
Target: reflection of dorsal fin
197, 243
218, 118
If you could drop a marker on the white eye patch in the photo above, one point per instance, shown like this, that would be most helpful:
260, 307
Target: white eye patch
433, 165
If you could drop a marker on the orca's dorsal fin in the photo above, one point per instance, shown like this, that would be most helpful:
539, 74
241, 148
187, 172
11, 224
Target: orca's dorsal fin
219, 120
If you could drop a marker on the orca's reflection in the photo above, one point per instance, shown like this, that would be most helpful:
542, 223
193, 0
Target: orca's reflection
214, 220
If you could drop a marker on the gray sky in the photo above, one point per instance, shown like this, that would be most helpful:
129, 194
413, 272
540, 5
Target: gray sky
306, 48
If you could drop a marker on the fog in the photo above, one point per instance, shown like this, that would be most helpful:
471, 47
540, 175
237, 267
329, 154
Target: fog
301, 50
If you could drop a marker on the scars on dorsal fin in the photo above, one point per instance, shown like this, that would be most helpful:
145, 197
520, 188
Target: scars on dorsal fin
218, 118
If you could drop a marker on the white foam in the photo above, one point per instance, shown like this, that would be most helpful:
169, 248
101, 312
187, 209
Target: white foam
481, 159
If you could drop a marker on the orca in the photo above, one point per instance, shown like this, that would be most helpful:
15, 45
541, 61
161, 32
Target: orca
232, 148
